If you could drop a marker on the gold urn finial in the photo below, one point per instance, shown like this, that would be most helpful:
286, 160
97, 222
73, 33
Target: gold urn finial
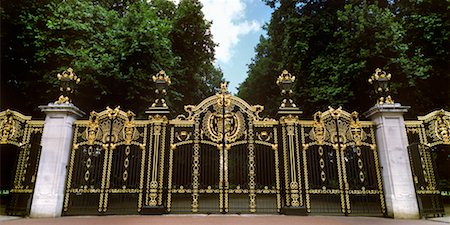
286, 81
162, 81
67, 82
224, 87
381, 81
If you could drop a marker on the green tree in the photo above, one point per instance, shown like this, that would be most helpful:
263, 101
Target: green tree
114, 55
114, 46
17, 56
333, 47
427, 25
259, 87
194, 48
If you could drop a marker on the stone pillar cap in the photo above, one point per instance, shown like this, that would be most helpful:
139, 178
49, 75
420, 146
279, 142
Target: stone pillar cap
63, 108
386, 108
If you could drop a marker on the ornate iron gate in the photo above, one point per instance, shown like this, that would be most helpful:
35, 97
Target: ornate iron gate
429, 134
223, 158
106, 168
340, 165
23, 135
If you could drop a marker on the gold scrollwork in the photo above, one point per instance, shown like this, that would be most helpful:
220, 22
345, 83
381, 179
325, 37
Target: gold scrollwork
93, 128
129, 130
442, 128
182, 135
12, 127
355, 129
264, 136
7, 127
437, 127
318, 132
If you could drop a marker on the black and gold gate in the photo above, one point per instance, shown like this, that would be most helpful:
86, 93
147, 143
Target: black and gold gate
428, 138
341, 171
223, 158
106, 167
22, 137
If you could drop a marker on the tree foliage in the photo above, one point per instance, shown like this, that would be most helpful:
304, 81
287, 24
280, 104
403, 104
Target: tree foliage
114, 46
194, 48
332, 47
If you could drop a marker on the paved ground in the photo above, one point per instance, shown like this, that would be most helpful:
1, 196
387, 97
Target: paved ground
215, 220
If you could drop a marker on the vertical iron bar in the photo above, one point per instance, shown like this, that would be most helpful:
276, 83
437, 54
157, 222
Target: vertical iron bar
342, 163
223, 148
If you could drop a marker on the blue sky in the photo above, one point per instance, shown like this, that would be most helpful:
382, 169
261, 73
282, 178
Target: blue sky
237, 26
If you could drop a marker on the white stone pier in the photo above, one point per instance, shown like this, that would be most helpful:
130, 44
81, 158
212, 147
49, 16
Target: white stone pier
56, 144
392, 142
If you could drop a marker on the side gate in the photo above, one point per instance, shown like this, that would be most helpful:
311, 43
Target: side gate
429, 141
20, 147
107, 165
338, 171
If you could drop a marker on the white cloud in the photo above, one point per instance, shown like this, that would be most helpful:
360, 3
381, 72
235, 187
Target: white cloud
229, 24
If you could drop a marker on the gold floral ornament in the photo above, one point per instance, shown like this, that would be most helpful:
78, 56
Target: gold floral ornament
286, 81
442, 127
318, 128
93, 128
7, 127
68, 79
129, 128
380, 80
356, 128
162, 81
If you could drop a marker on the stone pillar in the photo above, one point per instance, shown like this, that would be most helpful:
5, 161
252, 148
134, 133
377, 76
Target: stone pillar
392, 142
48, 196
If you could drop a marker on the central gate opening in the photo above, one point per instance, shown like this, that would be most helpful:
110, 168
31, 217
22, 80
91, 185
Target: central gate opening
223, 159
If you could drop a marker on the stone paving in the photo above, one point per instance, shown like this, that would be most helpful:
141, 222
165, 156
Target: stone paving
215, 220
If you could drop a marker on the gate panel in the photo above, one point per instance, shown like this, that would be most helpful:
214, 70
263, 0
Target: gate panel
25, 135
342, 173
238, 175
323, 180
362, 168
180, 167
209, 179
85, 179
234, 159
267, 167
107, 164
426, 137
125, 188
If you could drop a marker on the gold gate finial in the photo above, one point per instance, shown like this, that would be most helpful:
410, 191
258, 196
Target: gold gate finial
159, 106
380, 81
162, 81
67, 81
286, 82
224, 87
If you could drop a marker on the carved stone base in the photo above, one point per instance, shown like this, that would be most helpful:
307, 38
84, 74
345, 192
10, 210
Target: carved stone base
153, 210
297, 211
